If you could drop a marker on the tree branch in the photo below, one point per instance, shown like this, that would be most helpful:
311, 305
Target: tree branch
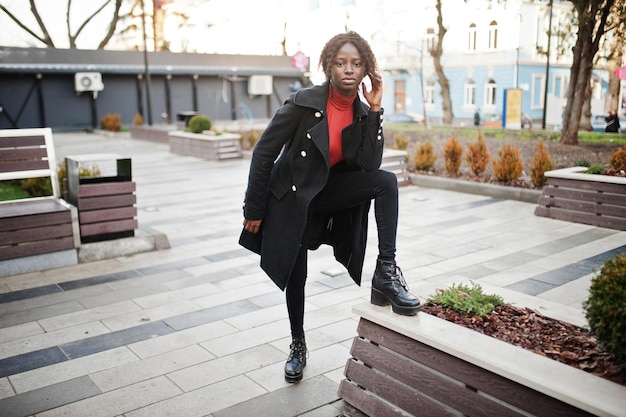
46, 36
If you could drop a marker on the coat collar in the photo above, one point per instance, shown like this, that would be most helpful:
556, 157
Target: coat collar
316, 97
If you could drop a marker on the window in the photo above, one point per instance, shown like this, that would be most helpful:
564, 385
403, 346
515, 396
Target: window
490, 93
471, 38
430, 39
493, 35
469, 98
560, 86
537, 90
429, 93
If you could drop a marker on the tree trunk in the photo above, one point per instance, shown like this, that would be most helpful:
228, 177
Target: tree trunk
592, 16
436, 51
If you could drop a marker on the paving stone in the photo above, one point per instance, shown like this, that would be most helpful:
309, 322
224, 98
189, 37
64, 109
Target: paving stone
196, 318
52, 396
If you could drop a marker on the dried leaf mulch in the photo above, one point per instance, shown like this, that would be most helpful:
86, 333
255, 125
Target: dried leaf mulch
531, 330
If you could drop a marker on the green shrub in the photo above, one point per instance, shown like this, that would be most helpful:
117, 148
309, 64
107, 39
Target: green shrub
83, 172
606, 307
595, 169
425, 157
465, 299
582, 163
36, 187
198, 124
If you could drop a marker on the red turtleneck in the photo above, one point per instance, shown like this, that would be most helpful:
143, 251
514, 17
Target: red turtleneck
340, 113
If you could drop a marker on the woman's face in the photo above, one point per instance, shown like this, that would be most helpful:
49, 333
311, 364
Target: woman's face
347, 70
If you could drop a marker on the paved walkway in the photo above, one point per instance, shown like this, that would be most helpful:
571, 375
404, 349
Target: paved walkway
198, 330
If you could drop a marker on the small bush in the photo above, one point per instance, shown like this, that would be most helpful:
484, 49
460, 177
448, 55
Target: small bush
249, 139
111, 122
452, 154
618, 159
198, 124
508, 166
138, 120
425, 157
539, 165
596, 169
36, 187
582, 163
83, 172
400, 141
465, 299
605, 308
477, 156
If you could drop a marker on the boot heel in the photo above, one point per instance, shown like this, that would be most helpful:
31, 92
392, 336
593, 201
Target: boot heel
378, 298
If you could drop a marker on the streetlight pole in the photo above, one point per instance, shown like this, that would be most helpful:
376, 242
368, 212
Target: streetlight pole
146, 65
545, 90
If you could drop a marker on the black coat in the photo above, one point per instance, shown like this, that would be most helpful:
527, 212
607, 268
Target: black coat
281, 190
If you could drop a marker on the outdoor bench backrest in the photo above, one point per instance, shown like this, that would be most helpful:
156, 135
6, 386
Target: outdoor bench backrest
28, 153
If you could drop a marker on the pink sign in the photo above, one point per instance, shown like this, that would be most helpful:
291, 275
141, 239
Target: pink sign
300, 61
621, 73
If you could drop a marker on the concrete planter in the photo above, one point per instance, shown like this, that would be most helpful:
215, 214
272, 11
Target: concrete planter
424, 365
572, 195
205, 145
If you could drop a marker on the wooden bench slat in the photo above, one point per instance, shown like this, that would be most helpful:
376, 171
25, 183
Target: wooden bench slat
585, 195
605, 187
386, 388
36, 234
37, 248
14, 138
367, 402
97, 216
108, 227
106, 202
18, 154
112, 188
584, 206
22, 166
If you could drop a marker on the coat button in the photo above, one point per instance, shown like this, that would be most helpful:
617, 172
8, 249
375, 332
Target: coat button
303, 153
379, 137
318, 114
293, 187
308, 135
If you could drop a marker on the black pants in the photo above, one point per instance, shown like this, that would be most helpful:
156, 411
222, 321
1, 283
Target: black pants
344, 190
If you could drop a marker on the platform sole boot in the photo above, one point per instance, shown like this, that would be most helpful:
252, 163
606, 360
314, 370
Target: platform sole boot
296, 361
389, 287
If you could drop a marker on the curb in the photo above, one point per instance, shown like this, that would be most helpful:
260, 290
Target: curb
496, 191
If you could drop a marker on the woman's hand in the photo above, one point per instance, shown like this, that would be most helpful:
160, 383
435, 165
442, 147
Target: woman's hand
252, 226
375, 95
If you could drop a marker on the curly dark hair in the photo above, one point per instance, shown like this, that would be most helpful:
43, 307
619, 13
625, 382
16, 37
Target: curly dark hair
336, 42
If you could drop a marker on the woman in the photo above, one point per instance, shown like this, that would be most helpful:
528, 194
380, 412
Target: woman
329, 146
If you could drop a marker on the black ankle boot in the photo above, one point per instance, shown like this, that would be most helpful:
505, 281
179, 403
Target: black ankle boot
296, 361
389, 287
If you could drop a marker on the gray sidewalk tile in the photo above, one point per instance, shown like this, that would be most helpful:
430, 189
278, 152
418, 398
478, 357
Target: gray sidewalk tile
34, 402
32, 360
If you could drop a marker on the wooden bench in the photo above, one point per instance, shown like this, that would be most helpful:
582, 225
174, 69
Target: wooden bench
394, 160
38, 225
572, 195
425, 366
206, 146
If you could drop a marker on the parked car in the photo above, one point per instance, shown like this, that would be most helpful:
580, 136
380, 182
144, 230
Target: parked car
404, 118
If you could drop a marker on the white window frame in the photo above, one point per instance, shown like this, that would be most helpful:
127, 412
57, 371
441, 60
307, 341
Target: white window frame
469, 94
560, 84
471, 37
491, 90
493, 35
538, 82
429, 94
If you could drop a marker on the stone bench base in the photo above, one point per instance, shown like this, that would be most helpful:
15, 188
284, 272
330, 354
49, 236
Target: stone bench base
205, 146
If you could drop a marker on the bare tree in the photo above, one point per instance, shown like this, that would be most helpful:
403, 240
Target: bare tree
592, 18
44, 35
436, 51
